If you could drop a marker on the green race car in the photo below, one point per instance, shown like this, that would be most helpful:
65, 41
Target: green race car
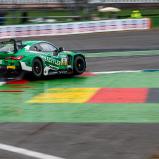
41, 58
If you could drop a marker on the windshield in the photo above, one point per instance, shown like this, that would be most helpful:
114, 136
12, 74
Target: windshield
6, 47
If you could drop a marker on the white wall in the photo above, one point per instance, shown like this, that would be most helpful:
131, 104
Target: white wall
12, 31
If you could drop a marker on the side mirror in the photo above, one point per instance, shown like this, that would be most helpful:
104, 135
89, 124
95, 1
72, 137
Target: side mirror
60, 49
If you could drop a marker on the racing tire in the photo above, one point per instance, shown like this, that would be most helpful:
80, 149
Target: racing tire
37, 68
79, 65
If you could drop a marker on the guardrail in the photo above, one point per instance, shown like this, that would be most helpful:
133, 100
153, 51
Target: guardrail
12, 31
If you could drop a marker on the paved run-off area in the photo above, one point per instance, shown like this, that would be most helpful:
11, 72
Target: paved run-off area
120, 97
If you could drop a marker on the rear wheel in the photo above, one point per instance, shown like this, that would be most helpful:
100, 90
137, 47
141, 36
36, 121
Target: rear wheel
79, 65
37, 68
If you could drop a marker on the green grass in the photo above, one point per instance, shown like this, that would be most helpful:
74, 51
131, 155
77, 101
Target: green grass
124, 13
37, 14
145, 12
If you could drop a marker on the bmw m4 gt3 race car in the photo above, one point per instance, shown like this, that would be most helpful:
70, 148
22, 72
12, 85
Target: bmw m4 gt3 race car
41, 58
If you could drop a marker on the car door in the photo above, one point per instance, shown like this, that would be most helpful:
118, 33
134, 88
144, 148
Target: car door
52, 59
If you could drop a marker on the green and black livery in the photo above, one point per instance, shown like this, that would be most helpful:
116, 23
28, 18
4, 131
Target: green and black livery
41, 58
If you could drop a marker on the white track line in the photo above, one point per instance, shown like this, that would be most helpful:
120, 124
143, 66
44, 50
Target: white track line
27, 152
111, 72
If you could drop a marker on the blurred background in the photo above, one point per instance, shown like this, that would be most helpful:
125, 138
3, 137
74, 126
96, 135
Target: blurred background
123, 127
53, 11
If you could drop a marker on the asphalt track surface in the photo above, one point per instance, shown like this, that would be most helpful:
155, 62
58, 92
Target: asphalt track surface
122, 63
93, 141
108, 41
112, 41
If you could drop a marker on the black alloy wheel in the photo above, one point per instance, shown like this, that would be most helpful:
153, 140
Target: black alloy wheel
37, 68
79, 65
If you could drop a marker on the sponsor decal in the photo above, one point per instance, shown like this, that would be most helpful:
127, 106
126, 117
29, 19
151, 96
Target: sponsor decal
63, 61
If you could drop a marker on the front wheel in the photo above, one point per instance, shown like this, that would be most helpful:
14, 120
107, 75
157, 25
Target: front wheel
37, 68
79, 65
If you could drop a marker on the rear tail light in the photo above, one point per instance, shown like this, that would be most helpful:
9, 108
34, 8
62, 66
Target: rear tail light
14, 58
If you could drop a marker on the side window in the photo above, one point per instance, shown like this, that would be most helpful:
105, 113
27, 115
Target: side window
46, 47
35, 48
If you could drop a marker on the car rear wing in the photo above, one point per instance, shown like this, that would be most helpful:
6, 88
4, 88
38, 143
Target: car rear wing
17, 44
